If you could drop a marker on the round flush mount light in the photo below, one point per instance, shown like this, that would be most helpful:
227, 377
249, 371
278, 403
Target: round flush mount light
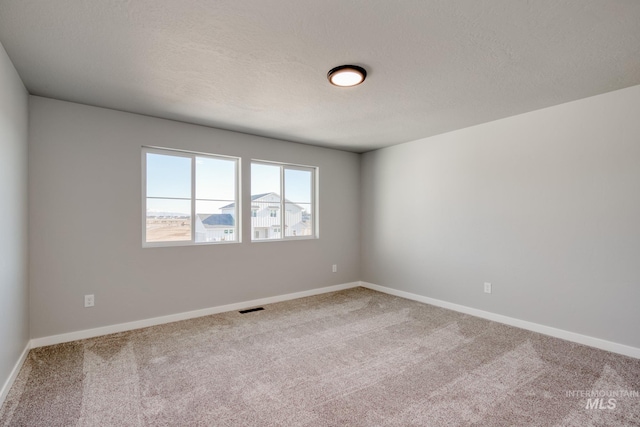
347, 75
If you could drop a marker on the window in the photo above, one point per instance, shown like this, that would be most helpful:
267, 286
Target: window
283, 199
189, 197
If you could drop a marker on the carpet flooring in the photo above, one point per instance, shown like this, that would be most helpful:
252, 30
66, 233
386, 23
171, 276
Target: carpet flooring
349, 358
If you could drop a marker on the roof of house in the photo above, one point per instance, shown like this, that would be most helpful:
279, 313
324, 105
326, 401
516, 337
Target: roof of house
217, 219
254, 197
260, 196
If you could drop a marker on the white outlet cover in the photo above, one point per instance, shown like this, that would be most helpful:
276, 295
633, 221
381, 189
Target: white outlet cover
89, 300
487, 287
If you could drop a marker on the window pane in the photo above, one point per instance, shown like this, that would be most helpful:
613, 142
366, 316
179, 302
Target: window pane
215, 221
282, 209
264, 179
168, 220
298, 219
265, 202
168, 176
179, 209
215, 179
297, 185
266, 222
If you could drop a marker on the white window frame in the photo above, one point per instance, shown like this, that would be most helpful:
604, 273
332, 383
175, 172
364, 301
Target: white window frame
192, 155
315, 204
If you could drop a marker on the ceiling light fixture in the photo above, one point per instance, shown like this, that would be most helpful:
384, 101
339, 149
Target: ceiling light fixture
347, 75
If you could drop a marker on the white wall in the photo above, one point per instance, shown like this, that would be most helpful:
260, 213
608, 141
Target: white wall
14, 318
85, 223
544, 205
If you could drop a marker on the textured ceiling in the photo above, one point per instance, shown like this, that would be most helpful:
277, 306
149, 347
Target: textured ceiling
260, 66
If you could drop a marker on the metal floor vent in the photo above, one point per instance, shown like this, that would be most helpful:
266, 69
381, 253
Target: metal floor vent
251, 310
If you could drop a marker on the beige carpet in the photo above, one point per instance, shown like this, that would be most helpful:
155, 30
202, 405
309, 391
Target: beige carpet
350, 358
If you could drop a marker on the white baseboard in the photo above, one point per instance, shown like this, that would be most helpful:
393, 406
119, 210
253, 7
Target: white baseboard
523, 324
122, 327
4, 391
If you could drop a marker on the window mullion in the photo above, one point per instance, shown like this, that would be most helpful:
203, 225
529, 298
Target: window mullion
282, 211
193, 199
312, 203
145, 197
237, 210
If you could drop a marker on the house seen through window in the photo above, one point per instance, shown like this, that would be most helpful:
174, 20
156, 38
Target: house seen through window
282, 201
189, 197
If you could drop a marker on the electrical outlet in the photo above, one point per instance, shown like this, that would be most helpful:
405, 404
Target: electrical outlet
487, 287
334, 268
89, 300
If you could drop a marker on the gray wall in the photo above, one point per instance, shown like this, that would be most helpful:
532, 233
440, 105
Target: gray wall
544, 205
85, 223
14, 296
